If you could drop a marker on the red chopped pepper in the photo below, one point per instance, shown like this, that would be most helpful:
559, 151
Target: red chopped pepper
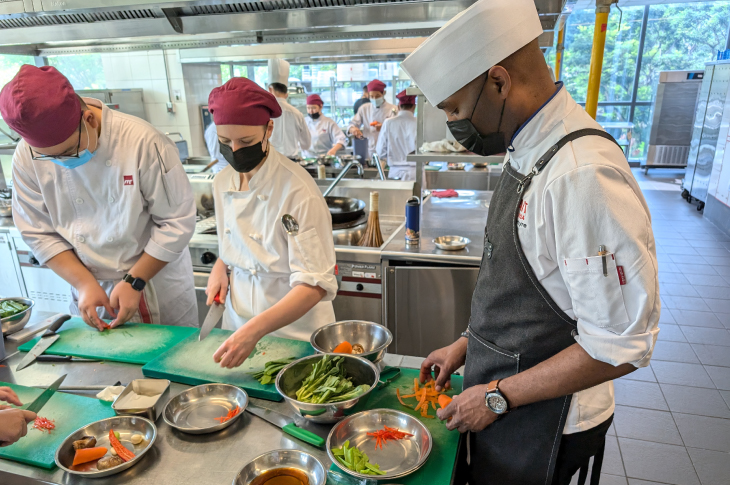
383, 435
123, 452
231, 414
43, 424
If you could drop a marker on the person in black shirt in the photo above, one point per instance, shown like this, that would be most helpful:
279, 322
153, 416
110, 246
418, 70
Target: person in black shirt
364, 99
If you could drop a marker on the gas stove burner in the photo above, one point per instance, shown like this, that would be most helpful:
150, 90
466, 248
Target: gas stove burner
348, 225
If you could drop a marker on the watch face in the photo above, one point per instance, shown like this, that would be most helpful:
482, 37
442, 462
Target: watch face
496, 403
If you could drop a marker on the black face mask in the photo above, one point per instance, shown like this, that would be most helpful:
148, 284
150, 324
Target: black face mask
314, 116
244, 159
466, 134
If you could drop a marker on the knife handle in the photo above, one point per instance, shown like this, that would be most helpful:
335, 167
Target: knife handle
56, 325
217, 299
303, 434
54, 358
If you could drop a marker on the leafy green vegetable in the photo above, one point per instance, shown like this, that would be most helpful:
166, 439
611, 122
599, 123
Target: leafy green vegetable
355, 460
328, 383
8, 308
270, 370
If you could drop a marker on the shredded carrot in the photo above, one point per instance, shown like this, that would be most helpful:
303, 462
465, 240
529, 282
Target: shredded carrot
425, 394
423, 399
385, 434
231, 414
408, 395
397, 394
43, 424
415, 384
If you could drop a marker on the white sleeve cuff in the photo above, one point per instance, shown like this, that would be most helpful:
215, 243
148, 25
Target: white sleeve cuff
326, 281
44, 251
635, 349
158, 252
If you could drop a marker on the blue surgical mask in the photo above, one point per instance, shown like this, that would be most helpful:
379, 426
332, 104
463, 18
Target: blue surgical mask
83, 157
379, 102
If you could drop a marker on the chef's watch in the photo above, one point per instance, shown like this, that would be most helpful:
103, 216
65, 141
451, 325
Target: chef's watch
137, 283
494, 399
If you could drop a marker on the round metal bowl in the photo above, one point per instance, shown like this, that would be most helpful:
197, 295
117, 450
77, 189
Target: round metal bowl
373, 337
290, 379
194, 411
272, 460
397, 458
451, 243
126, 426
16, 322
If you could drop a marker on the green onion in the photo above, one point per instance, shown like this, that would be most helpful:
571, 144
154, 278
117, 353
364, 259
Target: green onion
355, 460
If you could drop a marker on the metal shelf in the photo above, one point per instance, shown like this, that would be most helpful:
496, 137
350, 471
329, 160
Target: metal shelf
453, 157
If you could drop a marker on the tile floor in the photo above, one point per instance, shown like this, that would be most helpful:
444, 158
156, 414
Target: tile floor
672, 421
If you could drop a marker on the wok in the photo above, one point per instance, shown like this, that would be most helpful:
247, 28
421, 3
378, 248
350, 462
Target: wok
345, 209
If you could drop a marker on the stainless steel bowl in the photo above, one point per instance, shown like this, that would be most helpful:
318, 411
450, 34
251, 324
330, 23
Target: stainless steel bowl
194, 411
299, 460
397, 458
126, 426
451, 243
16, 322
373, 337
290, 379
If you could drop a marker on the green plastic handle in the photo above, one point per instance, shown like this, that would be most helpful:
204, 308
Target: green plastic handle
303, 434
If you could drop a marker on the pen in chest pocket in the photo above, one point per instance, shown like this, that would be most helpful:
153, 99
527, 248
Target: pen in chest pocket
602, 252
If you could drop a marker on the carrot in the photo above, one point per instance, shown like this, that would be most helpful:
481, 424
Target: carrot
397, 394
122, 452
344, 348
86, 455
444, 400
423, 399
415, 384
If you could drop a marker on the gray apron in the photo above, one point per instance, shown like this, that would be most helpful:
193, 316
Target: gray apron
514, 326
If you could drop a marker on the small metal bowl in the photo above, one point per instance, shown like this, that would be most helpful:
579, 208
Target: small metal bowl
290, 379
451, 243
397, 458
154, 387
296, 459
194, 411
15, 323
126, 426
373, 338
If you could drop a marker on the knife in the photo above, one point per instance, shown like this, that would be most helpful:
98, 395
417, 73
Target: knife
286, 424
41, 400
214, 315
48, 338
63, 358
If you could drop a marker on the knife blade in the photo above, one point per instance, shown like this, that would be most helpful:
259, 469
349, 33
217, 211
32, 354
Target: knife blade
63, 358
41, 400
212, 318
47, 339
286, 424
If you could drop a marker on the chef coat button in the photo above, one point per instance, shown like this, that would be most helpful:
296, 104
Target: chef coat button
111, 199
110, 239
79, 200
108, 163
261, 197
253, 271
227, 231
81, 239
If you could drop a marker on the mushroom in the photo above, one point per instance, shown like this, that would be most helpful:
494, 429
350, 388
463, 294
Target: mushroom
85, 442
108, 462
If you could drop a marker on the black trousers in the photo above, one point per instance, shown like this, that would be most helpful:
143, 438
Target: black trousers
576, 451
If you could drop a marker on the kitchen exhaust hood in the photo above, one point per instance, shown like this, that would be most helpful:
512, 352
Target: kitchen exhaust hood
47, 27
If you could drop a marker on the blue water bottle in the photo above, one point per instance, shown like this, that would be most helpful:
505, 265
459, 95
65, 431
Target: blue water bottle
413, 221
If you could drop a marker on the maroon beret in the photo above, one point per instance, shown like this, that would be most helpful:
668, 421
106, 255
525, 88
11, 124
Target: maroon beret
376, 85
241, 101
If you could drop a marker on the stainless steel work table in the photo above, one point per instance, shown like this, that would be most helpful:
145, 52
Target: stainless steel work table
176, 458
465, 215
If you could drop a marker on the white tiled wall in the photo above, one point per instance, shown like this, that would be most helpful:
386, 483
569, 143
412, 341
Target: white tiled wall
146, 70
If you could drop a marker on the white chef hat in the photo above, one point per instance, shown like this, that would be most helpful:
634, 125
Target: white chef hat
469, 44
278, 71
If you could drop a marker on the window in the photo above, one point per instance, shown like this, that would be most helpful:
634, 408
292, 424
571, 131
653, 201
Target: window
84, 71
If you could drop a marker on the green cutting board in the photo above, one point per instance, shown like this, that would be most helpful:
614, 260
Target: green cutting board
191, 362
439, 467
134, 343
70, 412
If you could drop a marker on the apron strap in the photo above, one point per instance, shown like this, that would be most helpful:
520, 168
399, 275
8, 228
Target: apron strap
548, 155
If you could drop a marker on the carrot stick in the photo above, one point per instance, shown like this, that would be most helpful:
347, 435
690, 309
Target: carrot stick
415, 384
397, 394
86, 455
423, 399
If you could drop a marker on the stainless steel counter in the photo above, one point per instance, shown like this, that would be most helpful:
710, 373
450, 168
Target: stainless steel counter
6, 223
465, 215
176, 458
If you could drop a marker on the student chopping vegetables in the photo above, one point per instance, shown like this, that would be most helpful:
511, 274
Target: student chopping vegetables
281, 282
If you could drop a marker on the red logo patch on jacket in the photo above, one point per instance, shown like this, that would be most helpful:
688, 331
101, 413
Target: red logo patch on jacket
523, 211
128, 180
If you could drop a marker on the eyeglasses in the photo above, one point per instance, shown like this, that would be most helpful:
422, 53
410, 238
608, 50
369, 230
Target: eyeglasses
59, 157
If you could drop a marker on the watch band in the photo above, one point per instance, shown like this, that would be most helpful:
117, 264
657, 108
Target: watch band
494, 386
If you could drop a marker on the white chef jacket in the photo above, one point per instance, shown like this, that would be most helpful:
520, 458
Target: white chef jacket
325, 134
126, 200
585, 197
214, 148
366, 115
397, 139
267, 262
290, 135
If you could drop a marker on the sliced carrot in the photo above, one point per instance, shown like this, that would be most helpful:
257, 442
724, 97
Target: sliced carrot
86, 455
408, 395
415, 384
344, 348
423, 399
444, 400
397, 394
